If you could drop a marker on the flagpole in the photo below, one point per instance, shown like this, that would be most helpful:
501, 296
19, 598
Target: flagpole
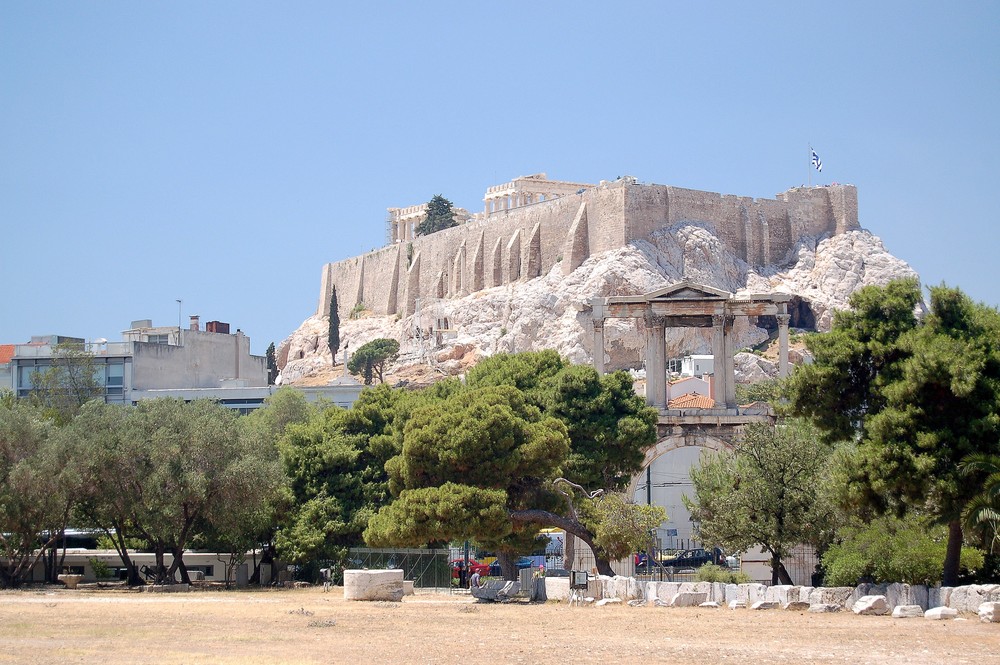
809, 166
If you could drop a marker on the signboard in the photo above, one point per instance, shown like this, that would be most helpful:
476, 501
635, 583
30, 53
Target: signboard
671, 532
578, 579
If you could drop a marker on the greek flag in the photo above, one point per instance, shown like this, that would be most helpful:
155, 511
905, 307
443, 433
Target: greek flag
816, 161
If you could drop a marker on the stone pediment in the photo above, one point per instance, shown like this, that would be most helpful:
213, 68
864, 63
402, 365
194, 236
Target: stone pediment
688, 290
685, 290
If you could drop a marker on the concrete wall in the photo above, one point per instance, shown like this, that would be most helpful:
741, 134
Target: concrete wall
527, 241
203, 360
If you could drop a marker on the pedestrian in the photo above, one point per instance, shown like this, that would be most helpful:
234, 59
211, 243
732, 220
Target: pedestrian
474, 581
326, 574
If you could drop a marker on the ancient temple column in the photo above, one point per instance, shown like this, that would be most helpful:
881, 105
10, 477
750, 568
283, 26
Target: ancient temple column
729, 363
656, 361
597, 305
783, 319
719, 375
599, 346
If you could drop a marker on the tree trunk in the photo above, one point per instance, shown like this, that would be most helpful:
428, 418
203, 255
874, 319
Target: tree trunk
775, 569
569, 551
508, 566
952, 557
545, 518
783, 575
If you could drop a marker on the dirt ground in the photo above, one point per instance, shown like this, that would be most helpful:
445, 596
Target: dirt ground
310, 626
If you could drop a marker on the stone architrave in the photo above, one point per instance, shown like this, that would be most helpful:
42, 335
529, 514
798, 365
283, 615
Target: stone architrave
373, 585
940, 613
907, 611
868, 605
989, 612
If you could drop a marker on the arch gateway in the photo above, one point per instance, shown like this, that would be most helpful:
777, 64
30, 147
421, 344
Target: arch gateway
684, 432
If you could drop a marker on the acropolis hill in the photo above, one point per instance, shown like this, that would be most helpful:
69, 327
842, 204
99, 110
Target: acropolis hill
529, 263
532, 223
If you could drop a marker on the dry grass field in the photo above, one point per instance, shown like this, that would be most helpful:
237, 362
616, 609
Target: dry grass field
309, 626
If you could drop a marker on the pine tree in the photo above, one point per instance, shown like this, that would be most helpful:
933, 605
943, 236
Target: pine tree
440, 215
333, 337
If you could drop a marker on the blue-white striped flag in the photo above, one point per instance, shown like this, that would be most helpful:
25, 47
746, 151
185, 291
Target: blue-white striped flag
816, 161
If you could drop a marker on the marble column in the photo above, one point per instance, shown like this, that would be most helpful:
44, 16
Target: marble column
598, 306
718, 354
729, 364
656, 364
783, 320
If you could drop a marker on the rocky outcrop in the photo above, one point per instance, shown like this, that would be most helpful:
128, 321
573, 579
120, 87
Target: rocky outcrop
553, 310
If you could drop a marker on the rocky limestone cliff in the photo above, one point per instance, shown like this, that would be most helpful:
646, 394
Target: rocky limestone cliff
553, 311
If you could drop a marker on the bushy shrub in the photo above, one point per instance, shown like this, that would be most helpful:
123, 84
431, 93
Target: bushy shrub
892, 550
712, 573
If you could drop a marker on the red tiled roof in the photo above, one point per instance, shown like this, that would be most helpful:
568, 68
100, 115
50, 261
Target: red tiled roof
691, 401
6, 353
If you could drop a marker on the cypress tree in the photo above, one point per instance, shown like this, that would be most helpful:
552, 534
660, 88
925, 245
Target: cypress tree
333, 337
272, 365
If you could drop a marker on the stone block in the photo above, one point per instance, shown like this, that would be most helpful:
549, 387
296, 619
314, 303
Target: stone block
167, 588
557, 588
782, 594
939, 613
737, 603
871, 605
939, 596
797, 605
968, 598
765, 605
607, 601
731, 593
831, 595
688, 598
408, 588
373, 585
821, 608
804, 592
711, 604
664, 590
907, 611
989, 612
717, 592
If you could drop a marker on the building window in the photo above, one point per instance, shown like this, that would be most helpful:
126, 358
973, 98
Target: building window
158, 339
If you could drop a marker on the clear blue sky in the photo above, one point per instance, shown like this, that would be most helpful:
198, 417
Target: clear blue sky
222, 152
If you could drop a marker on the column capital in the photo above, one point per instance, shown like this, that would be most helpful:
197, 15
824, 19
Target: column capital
783, 319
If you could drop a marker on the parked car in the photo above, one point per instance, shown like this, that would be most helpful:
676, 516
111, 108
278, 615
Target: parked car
474, 566
523, 562
684, 559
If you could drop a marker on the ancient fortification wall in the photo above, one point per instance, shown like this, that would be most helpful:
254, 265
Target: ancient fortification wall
527, 241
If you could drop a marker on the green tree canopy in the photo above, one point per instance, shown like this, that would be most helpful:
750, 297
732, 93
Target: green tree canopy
370, 359
920, 396
482, 462
766, 492
165, 469
37, 484
440, 216
69, 382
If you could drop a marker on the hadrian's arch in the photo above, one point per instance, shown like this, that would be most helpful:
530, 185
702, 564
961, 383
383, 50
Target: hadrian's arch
664, 479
